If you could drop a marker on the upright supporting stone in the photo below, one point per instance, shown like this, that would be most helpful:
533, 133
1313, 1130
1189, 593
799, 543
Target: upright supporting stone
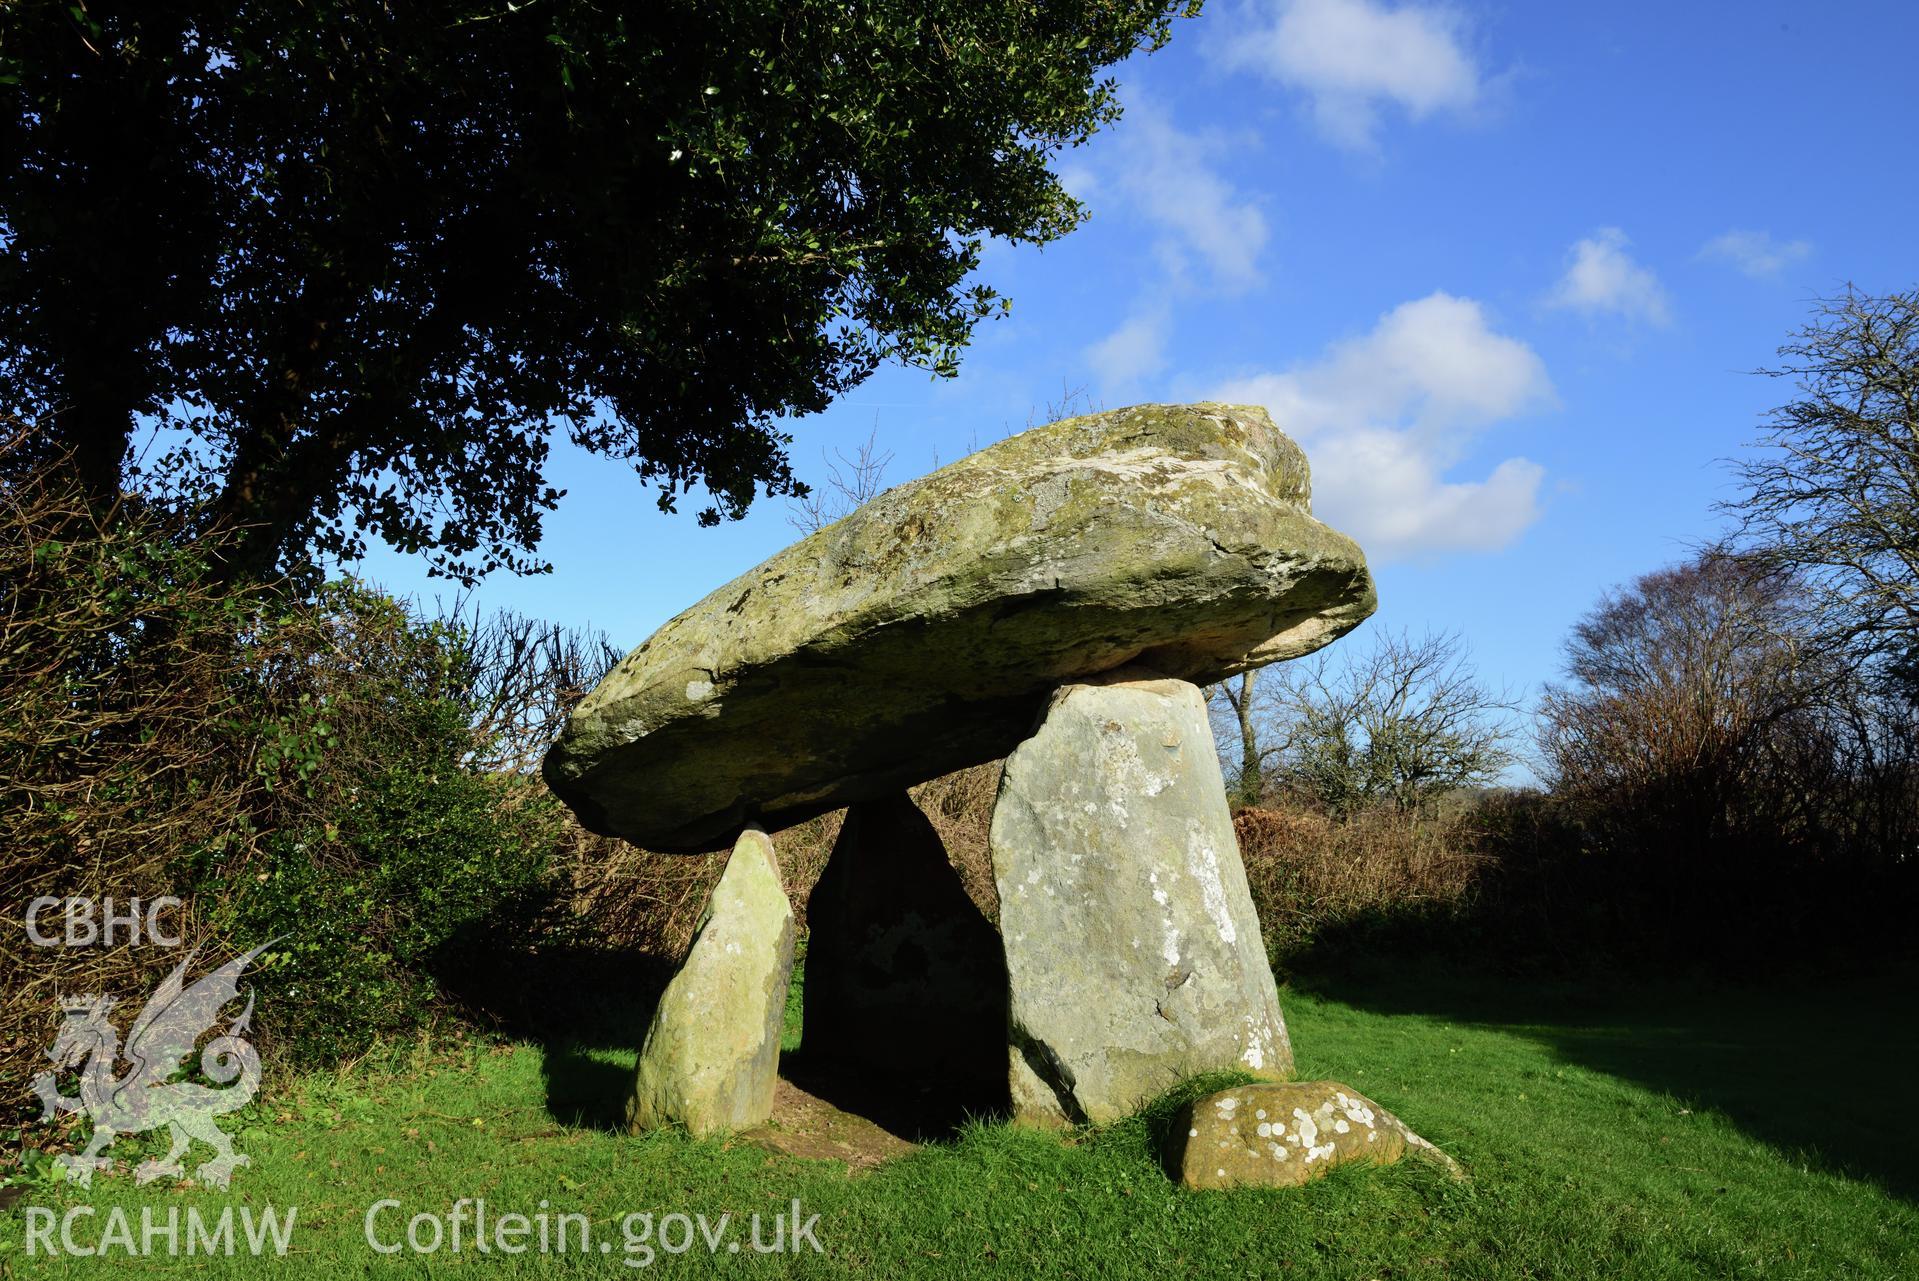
712, 1051
1133, 954
903, 972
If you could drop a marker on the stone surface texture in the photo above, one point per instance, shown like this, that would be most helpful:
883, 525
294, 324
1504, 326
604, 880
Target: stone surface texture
711, 1054
904, 974
1271, 1135
1132, 950
923, 632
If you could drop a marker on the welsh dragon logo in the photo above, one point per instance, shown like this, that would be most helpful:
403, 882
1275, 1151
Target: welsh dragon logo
145, 1097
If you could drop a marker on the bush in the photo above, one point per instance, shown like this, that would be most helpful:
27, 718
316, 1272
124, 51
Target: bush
304, 769
124, 734
1321, 883
395, 874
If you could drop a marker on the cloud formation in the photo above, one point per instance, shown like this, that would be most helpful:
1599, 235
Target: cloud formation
1601, 277
1169, 176
1351, 57
1385, 416
1134, 351
1755, 252
1210, 235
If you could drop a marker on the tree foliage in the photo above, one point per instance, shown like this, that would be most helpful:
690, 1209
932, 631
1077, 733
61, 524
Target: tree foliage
367, 256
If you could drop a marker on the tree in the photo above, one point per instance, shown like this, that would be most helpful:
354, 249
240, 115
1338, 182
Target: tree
850, 484
1834, 500
359, 259
1398, 722
1733, 779
1232, 703
1694, 712
1253, 720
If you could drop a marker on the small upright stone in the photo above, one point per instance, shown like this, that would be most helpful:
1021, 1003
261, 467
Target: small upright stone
712, 1051
1133, 954
903, 972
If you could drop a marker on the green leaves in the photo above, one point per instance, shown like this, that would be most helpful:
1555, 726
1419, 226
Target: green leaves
384, 254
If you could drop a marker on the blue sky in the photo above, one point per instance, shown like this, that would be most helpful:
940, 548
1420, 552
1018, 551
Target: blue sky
1504, 271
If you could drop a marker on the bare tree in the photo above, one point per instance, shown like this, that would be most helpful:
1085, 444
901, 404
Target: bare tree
850, 484
1073, 402
1696, 707
1253, 728
1398, 721
1725, 766
521, 676
1834, 497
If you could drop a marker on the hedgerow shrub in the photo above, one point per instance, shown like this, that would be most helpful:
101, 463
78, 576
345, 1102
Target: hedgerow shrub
1321, 881
319, 769
396, 873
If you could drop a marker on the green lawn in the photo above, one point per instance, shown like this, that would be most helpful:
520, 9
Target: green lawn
1646, 1134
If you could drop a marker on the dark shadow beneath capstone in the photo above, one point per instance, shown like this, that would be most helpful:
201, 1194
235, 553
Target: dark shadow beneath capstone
903, 995
905, 992
928, 1109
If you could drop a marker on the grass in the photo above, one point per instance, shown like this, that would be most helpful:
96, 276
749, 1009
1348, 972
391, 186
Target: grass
1647, 1133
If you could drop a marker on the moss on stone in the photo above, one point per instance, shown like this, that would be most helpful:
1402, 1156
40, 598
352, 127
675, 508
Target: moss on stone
917, 635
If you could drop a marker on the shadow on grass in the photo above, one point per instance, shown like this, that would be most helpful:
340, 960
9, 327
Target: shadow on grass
1813, 1068
1163, 1117
588, 1010
585, 1089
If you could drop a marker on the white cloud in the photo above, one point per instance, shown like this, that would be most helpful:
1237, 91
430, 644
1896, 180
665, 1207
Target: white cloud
1755, 252
1168, 175
1209, 230
1385, 416
1351, 56
1134, 351
1080, 182
1602, 277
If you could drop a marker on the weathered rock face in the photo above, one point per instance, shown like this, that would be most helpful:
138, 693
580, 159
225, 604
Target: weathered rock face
903, 973
1132, 951
712, 1051
1267, 1135
923, 632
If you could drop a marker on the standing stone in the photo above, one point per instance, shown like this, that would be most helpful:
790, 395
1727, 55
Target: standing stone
1133, 954
903, 972
712, 1051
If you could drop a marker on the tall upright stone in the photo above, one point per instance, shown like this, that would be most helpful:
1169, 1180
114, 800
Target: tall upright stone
903, 972
711, 1054
1133, 954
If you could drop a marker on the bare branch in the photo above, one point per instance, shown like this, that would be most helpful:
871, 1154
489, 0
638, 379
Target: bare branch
1832, 497
850, 484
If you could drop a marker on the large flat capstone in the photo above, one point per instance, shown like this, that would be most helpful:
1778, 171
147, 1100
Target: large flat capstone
924, 632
